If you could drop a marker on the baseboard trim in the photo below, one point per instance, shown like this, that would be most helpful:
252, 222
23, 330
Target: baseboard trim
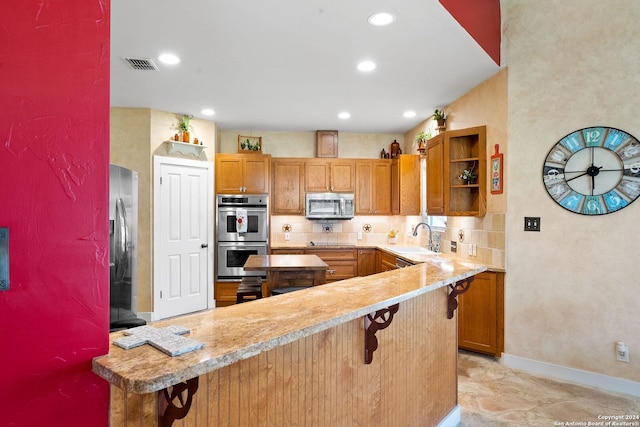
577, 376
452, 419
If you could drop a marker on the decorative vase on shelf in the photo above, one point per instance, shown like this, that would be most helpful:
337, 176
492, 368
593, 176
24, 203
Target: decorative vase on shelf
186, 136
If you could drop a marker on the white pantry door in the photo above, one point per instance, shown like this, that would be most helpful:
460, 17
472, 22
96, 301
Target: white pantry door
183, 221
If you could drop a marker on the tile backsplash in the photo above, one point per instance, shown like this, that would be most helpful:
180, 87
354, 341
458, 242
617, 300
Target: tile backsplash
487, 233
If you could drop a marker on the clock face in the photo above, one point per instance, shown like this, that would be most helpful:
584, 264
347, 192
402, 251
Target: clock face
593, 171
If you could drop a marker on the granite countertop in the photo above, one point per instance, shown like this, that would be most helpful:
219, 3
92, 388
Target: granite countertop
245, 330
414, 258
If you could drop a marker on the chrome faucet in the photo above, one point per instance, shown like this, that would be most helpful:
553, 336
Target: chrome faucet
415, 233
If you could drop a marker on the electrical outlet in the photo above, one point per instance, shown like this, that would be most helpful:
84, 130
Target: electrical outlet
454, 246
622, 352
531, 223
360, 235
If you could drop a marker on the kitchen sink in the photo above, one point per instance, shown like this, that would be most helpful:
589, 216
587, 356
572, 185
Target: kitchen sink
411, 250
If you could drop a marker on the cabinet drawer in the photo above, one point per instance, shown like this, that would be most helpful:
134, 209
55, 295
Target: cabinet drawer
340, 270
285, 251
334, 254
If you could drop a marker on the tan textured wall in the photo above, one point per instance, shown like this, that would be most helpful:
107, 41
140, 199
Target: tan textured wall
486, 105
303, 144
129, 138
572, 290
136, 135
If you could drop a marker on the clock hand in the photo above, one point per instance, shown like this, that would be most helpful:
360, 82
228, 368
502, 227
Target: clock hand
577, 176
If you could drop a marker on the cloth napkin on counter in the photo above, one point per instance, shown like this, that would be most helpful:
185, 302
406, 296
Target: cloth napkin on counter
241, 220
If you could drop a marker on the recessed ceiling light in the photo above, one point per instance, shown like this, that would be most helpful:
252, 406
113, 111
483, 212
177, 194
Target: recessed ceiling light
409, 114
168, 58
380, 19
366, 66
208, 112
344, 115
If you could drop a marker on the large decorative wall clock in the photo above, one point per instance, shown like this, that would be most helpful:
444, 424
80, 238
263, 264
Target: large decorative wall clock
593, 171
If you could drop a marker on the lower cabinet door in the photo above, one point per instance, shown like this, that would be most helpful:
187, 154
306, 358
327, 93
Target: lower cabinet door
480, 314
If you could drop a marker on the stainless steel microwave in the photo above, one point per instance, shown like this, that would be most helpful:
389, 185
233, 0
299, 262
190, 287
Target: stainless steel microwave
329, 205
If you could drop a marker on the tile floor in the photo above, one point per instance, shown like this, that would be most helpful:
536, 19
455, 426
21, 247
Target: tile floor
491, 395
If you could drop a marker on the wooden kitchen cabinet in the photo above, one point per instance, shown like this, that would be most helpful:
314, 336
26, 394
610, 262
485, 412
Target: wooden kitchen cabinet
385, 261
435, 175
225, 293
481, 315
366, 262
327, 143
287, 196
323, 175
343, 263
242, 173
286, 251
448, 154
405, 185
373, 190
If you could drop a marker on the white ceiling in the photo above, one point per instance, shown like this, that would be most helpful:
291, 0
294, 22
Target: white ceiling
290, 65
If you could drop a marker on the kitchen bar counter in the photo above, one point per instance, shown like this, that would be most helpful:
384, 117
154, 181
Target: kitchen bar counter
240, 336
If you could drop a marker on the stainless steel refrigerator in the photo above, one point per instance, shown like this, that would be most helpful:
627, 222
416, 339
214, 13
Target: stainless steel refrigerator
123, 247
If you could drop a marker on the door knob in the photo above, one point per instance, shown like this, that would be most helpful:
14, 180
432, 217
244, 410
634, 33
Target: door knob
204, 245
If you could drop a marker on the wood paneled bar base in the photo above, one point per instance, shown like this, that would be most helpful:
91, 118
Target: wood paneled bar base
299, 359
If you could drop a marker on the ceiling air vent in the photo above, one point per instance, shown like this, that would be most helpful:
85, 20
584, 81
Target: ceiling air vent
144, 64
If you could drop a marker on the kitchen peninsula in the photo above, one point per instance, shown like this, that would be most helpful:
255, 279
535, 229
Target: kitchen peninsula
375, 350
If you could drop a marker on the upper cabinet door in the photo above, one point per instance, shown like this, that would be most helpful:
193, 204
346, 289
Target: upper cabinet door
287, 197
343, 176
316, 176
435, 175
256, 174
229, 174
327, 143
373, 194
242, 173
405, 185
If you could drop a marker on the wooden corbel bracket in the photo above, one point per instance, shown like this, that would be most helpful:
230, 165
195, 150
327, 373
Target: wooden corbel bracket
372, 324
459, 288
168, 410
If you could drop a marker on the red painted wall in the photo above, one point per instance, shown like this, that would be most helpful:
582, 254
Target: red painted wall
54, 156
481, 19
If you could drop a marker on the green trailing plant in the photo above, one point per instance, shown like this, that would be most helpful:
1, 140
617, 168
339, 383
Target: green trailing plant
423, 137
246, 145
439, 115
184, 124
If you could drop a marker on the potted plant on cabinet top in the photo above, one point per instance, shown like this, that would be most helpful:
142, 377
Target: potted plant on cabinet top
185, 127
440, 117
421, 140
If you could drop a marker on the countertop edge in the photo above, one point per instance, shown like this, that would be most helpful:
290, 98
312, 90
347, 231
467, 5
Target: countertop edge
153, 384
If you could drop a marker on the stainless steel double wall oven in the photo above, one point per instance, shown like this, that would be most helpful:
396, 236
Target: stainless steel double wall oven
235, 247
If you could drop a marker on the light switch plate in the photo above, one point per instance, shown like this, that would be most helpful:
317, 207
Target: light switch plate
4, 259
454, 246
531, 223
